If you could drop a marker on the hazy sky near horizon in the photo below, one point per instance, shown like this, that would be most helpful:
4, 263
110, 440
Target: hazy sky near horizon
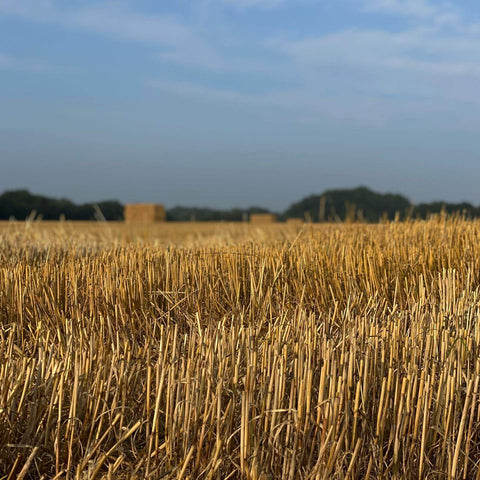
239, 102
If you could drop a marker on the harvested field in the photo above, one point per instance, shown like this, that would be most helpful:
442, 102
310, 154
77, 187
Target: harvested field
240, 351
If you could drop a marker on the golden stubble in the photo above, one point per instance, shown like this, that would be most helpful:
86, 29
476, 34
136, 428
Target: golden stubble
240, 351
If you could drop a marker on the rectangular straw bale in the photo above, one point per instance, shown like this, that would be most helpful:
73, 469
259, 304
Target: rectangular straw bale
263, 218
144, 213
295, 221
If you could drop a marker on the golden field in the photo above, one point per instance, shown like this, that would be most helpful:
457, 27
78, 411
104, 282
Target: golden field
228, 351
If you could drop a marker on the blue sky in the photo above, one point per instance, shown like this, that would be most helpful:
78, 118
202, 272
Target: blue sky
238, 102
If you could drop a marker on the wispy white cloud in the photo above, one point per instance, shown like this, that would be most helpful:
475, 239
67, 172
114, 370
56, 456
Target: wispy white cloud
370, 73
202, 91
8, 62
369, 48
367, 76
150, 29
243, 4
299, 104
107, 19
394, 68
439, 13
33, 9
176, 42
431, 63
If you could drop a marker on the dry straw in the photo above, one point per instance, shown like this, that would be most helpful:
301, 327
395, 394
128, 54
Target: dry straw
343, 352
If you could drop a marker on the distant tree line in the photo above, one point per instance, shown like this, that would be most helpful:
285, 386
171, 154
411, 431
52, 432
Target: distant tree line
363, 204
356, 204
20, 204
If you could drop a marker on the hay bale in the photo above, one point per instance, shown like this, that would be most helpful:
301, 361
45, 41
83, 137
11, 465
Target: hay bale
297, 222
263, 218
144, 213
